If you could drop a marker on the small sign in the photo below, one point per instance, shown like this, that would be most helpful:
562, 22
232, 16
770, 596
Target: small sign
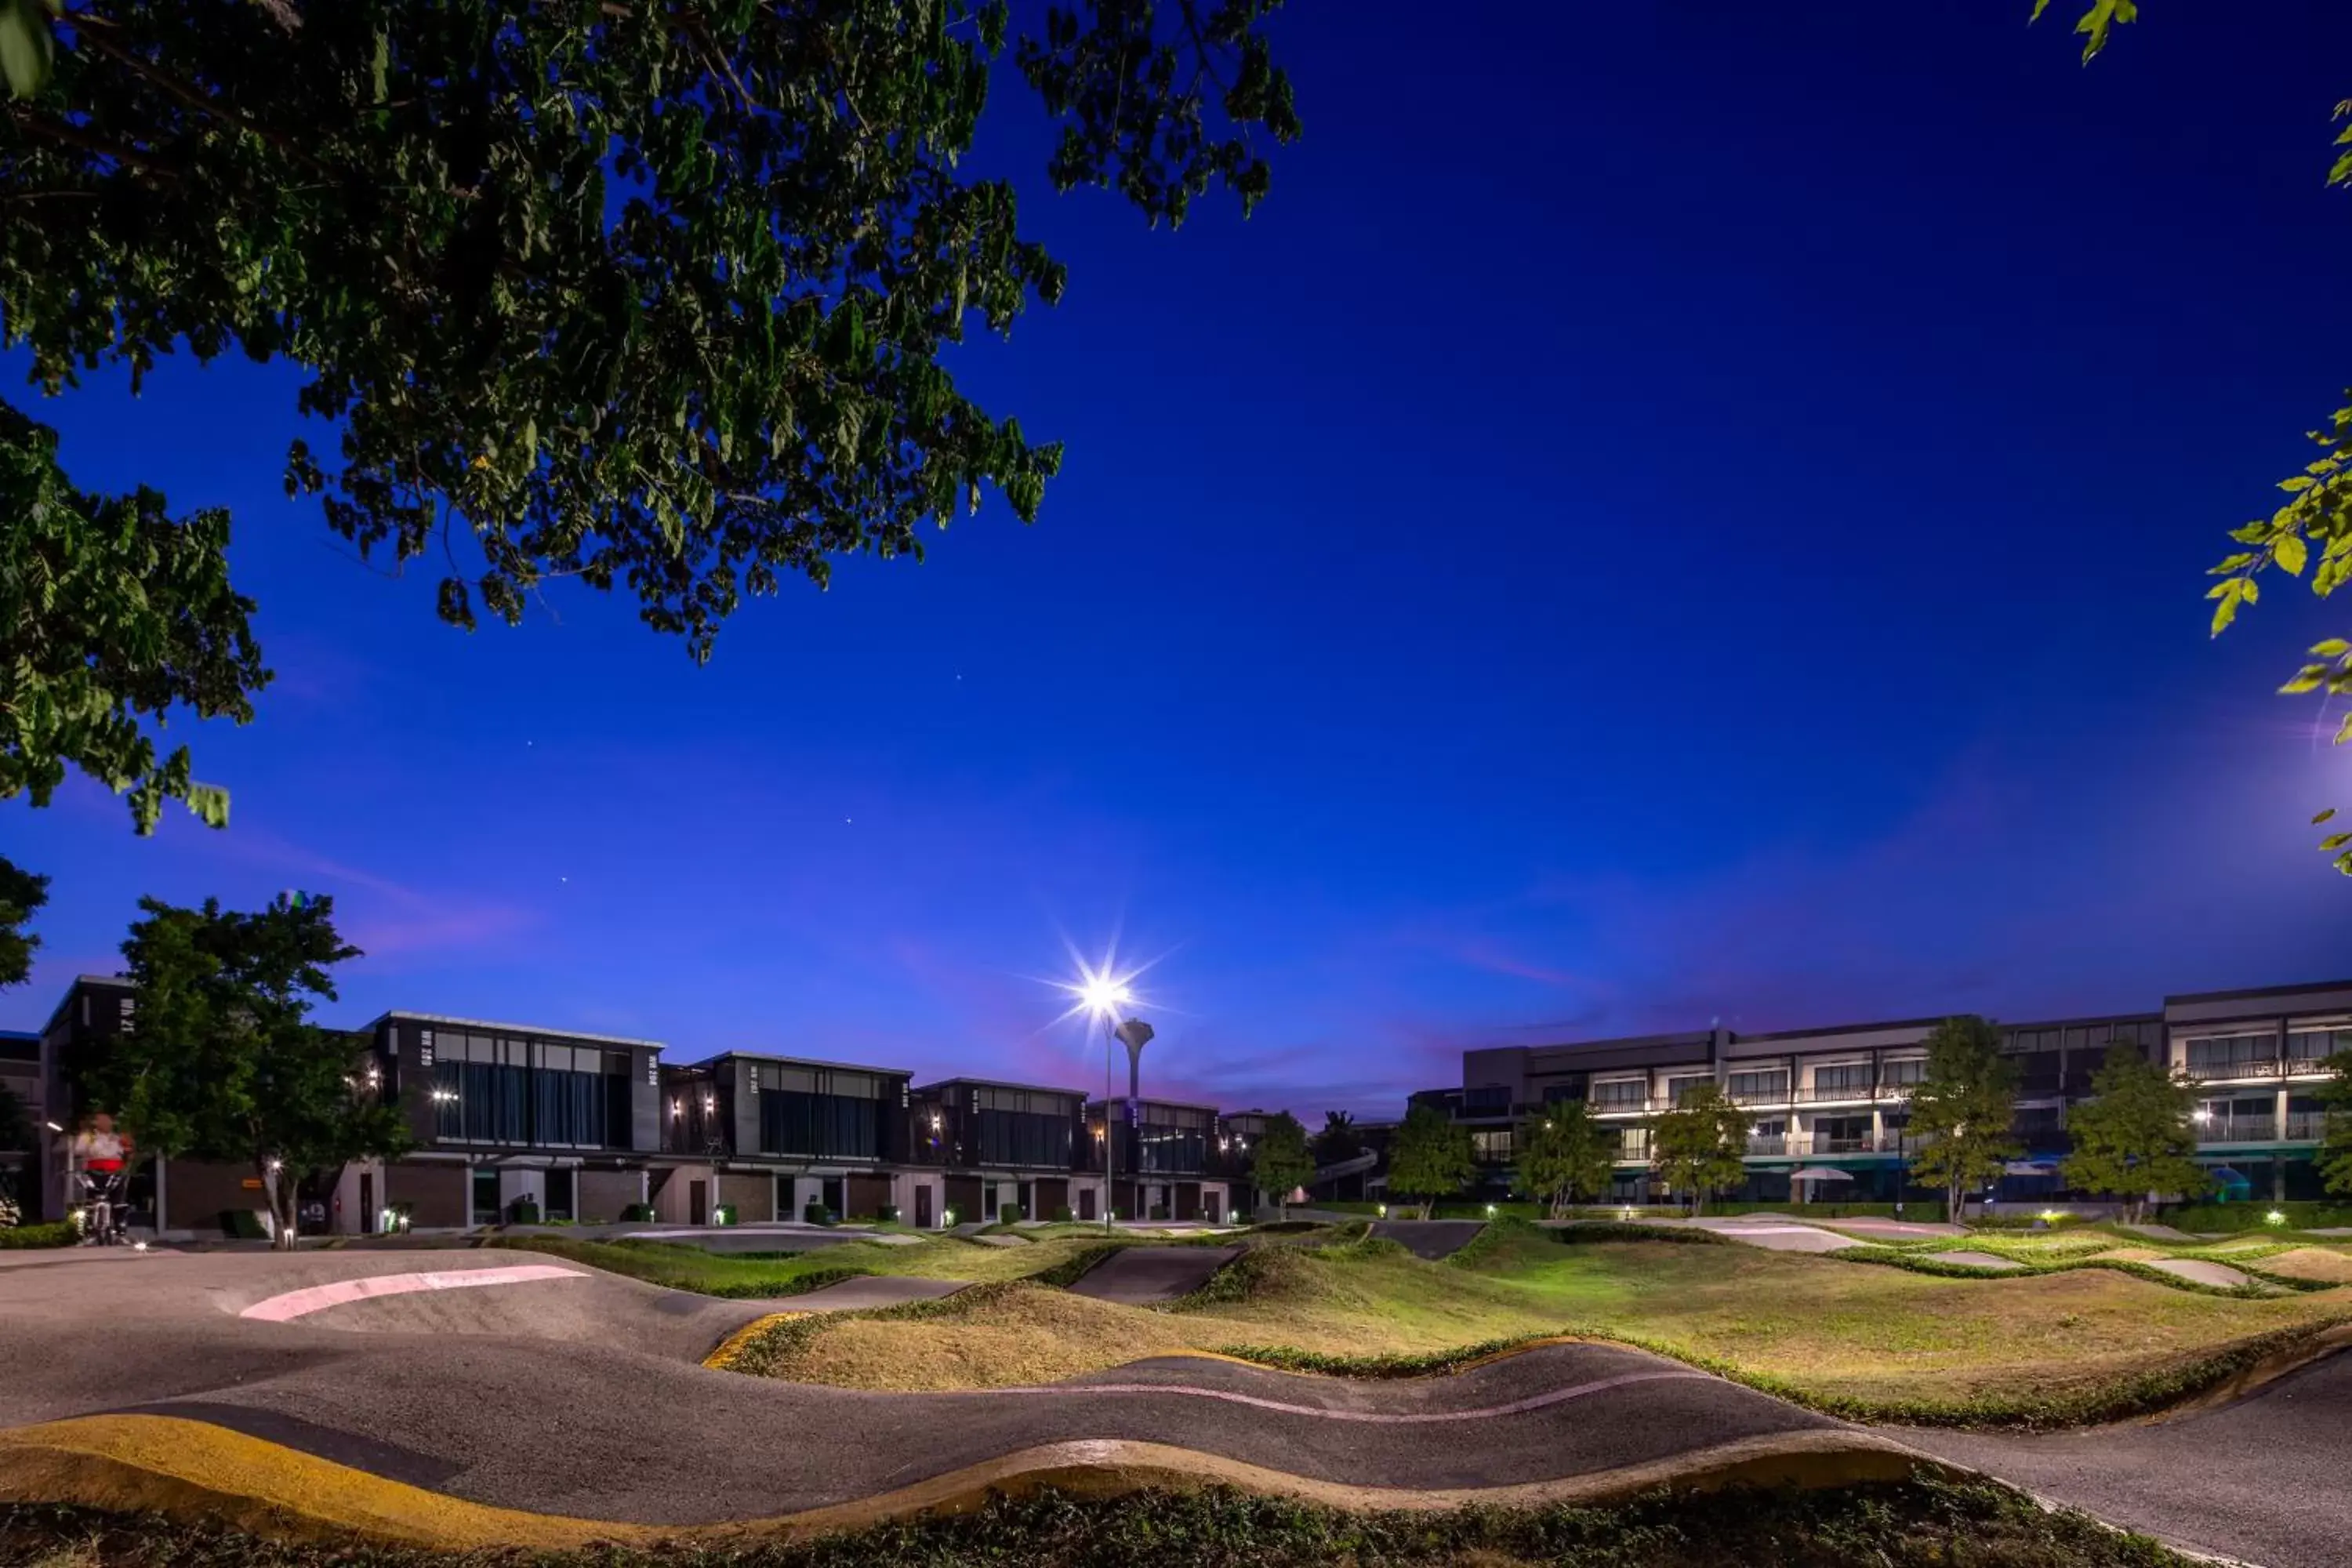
251, 1184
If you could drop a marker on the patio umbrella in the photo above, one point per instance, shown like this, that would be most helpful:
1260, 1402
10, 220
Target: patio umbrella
2027, 1168
1821, 1174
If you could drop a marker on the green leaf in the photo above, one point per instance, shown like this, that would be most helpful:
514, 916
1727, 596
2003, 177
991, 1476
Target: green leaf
2291, 553
2336, 840
2323, 816
2333, 648
2307, 678
25, 46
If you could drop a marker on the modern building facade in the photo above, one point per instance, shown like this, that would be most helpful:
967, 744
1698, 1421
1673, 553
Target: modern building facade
1834, 1101
510, 1120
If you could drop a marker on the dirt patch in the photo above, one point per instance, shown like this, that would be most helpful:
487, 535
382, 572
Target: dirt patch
2311, 1263
1024, 1334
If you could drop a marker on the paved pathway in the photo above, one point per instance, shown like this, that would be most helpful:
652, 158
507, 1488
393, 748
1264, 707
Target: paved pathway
870, 1291
1147, 1276
1769, 1232
1431, 1238
2200, 1272
579, 1394
2260, 1481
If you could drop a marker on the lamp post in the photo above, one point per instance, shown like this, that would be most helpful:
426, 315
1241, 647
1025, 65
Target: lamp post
1103, 996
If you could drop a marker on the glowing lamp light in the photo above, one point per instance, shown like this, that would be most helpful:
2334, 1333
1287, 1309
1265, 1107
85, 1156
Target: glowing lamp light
2202, 1115
1104, 994
2275, 1217
2053, 1216
1384, 1211
1490, 1211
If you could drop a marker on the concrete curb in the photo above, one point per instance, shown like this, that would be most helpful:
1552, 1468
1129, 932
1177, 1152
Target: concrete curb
191, 1469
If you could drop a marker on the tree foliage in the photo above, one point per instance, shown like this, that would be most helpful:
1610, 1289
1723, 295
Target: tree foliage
22, 895
1430, 1157
111, 612
1565, 1154
221, 1061
1960, 1111
2313, 529
2334, 1160
1338, 1140
2133, 1136
651, 292
1700, 1146
1281, 1161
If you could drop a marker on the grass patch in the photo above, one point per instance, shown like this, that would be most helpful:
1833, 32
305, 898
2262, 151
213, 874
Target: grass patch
1924, 1524
56, 1233
757, 1275
2039, 1348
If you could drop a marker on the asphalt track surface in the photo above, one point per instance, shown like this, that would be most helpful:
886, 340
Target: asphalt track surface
1430, 1239
1148, 1276
581, 1400
2261, 1481
564, 1391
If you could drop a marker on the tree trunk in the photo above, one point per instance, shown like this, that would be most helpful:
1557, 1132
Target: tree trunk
278, 1186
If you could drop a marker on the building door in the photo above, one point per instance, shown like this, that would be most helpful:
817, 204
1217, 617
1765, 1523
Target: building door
367, 1203
1027, 1199
698, 1202
1086, 1204
485, 1197
923, 1206
1209, 1205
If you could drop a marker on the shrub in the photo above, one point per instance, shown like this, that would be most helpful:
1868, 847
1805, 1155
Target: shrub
2256, 1217
816, 1213
1008, 1213
60, 1233
886, 1214
523, 1211
1159, 1211
637, 1214
242, 1225
1064, 1214
723, 1215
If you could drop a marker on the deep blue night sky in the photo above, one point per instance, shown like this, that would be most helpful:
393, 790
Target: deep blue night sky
1659, 517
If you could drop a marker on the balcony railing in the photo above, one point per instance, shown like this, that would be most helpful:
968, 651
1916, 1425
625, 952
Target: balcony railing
2306, 1124
1886, 1094
1772, 1145
2237, 1129
2258, 1071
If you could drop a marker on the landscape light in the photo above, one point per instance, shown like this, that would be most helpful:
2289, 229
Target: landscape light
2203, 1114
53, 1127
1490, 1211
2275, 1217
2052, 1215
1384, 1211
138, 1247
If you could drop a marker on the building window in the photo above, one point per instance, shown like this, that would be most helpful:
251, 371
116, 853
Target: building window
1849, 1078
1766, 1086
1905, 1073
1841, 1134
2309, 1047
1633, 1145
1621, 1094
2228, 1056
1487, 1100
1491, 1146
2239, 1119
485, 1197
560, 1195
1682, 1084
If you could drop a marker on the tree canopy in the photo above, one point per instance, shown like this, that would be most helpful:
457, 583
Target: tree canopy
22, 895
1280, 1161
1564, 1154
221, 1061
2314, 527
650, 292
2133, 1136
1960, 1111
1431, 1156
1338, 1140
2334, 1160
1700, 1146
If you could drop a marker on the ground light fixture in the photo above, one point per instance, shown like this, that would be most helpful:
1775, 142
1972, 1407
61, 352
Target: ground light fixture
2276, 1217
1490, 1211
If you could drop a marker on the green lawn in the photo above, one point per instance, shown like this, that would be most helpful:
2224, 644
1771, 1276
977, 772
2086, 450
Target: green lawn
679, 1266
1858, 1337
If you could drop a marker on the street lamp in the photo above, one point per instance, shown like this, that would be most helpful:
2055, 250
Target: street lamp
1102, 995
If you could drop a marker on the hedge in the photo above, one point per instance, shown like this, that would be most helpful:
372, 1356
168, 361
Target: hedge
2256, 1217
60, 1233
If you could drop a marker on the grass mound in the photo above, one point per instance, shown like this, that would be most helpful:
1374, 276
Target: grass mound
1924, 1524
